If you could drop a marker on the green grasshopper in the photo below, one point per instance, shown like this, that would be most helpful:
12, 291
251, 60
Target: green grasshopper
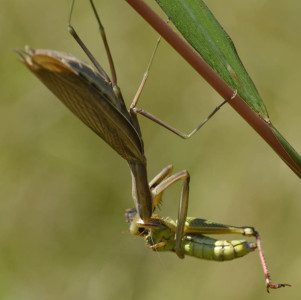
160, 234
97, 101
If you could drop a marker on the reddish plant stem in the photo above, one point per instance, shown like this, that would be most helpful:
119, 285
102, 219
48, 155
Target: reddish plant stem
196, 61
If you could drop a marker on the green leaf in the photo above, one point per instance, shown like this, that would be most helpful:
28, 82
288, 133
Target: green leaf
288, 148
203, 32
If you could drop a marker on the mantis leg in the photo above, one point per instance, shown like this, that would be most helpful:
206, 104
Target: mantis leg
158, 185
131, 214
87, 51
105, 42
145, 76
176, 131
183, 206
165, 173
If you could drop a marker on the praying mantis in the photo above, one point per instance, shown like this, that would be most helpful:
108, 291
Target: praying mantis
97, 101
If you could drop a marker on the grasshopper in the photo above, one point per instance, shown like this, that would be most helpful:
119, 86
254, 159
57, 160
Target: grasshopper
160, 234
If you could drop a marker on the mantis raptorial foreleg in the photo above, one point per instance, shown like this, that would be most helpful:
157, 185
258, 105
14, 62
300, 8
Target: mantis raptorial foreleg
183, 205
157, 186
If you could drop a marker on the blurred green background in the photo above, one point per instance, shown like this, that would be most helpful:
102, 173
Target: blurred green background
64, 191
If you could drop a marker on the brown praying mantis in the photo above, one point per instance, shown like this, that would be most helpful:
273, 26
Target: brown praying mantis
97, 101
160, 234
